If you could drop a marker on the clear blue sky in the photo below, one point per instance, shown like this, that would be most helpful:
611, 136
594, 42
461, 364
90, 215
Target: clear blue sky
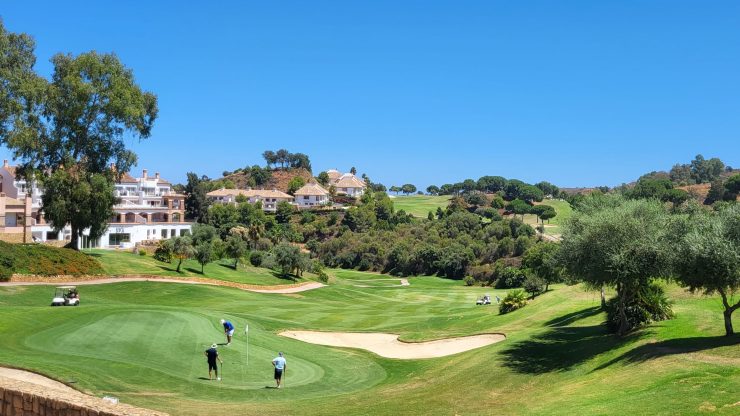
579, 93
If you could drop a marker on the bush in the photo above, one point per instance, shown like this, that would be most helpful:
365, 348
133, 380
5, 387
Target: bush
515, 299
255, 258
649, 305
5, 274
534, 285
323, 277
510, 277
469, 280
164, 251
142, 252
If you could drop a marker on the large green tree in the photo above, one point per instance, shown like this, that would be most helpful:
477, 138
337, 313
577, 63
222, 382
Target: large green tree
77, 122
622, 244
707, 256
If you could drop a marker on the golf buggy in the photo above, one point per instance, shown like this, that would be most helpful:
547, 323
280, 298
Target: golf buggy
66, 296
485, 300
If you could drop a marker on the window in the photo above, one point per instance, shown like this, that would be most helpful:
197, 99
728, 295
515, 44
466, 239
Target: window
52, 235
164, 233
115, 239
305, 197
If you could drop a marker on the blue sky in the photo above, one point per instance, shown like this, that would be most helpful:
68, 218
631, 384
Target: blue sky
579, 93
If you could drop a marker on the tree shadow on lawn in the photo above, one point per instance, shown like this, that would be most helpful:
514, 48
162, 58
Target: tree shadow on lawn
674, 346
574, 316
562, 348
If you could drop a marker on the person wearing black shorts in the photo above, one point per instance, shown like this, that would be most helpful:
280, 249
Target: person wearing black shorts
280, 366
212, 356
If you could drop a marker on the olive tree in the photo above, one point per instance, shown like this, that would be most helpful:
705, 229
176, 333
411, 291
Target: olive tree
707, 256
623, 246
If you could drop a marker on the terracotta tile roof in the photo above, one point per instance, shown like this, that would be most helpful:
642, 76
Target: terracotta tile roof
126, 178
349, 180
311, 189
333, 174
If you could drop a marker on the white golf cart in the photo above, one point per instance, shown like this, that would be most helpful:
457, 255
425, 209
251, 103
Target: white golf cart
485, 300
66, 296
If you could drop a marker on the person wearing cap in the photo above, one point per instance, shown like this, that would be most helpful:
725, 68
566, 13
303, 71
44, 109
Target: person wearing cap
228, 330
212, 356
280, 366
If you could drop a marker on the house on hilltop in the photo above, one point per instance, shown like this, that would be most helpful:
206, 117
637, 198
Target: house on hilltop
268, 198
311, 195
346, 183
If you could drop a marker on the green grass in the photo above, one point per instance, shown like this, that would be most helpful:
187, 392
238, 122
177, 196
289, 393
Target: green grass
420, 205
564, 211
120, 263
144, 342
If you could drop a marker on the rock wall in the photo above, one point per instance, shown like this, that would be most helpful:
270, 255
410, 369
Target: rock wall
18, 398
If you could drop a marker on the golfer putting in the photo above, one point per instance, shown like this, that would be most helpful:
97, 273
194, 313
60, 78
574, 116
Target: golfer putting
228, 330
281, 368
212, 356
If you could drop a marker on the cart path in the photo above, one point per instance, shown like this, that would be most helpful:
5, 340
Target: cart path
34, 378
389, 346
77, 281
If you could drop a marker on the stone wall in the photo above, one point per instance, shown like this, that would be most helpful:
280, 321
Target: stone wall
15, 238
19, 398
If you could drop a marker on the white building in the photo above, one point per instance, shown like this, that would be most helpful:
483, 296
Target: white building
268, 198
149, 210
346, 183
311, 195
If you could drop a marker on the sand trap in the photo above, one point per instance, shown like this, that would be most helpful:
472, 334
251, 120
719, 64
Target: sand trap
293, 288
34, 378
388, 345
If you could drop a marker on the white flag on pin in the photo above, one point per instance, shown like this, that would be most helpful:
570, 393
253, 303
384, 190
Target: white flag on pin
246, 329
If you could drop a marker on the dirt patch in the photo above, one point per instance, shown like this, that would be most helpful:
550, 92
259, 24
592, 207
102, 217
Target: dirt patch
388, 345
97, 280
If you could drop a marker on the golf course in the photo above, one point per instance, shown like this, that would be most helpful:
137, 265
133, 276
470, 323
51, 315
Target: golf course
143, 342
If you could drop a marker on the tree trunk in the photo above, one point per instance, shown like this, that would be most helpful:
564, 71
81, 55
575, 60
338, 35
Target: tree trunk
74, 242
603, 298
202, 266
729, 309
623, 329
236, 262
179, 263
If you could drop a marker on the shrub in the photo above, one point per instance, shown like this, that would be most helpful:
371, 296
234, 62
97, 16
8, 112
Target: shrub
255, 258
164, 251
469, 280
42, 260
5, 274
649, 305
534, 285
142, 252
323, 277
510, 277
515, 299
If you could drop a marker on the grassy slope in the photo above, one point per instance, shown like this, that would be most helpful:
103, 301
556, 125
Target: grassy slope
564, 211
420, 205
143, 342
126, 263
45, 260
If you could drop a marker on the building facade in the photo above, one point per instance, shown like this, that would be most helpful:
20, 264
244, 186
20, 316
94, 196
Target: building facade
346, 183
148, 210
268, 198
311, 195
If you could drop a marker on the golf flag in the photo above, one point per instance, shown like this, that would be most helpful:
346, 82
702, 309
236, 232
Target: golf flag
246, 328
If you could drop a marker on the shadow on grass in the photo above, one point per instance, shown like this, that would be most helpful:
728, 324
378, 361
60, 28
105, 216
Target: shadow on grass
671, 347
192, 270
561, 348
574, 316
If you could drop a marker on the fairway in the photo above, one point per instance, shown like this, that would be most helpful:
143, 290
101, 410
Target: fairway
420, 205
144, 342
552, 227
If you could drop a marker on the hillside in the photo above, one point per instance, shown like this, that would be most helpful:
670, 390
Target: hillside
279, 179
44, 260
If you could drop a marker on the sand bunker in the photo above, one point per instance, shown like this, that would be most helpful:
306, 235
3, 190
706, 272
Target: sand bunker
388, 345
34, 378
